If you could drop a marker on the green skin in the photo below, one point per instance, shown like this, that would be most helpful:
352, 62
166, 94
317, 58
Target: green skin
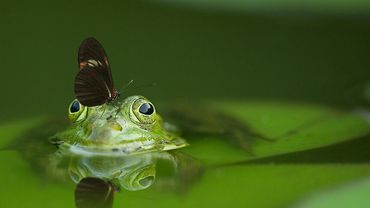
117, 128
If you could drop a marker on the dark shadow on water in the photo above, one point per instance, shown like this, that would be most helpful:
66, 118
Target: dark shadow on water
355, 151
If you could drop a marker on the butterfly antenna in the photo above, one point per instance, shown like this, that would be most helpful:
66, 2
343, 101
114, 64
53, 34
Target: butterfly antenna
142, 86
127, 85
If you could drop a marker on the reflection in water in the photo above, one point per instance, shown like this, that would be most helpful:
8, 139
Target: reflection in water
99, 177
131, 173
94, 193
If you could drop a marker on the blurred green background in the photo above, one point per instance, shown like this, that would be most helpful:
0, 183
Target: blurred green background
315, 51
307, 51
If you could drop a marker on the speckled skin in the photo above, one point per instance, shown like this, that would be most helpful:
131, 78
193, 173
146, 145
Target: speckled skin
117, 128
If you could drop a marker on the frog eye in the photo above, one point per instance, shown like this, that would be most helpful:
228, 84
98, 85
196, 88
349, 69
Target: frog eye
76, 111
75, 106
138, 179
144, 111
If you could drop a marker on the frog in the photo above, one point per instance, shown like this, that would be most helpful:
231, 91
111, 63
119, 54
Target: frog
126, 127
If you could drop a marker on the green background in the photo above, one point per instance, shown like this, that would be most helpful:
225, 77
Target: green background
316, 51
283, 54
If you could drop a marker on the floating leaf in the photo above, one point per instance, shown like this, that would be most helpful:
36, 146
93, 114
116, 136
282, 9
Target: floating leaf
292, 127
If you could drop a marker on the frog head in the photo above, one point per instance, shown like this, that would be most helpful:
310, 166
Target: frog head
126, 126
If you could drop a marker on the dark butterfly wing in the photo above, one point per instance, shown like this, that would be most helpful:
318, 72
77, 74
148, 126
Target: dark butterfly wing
93, 83
92, 54
94, 193
91, 50
91, 88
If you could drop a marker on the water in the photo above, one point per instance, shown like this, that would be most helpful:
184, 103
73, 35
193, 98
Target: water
286, 75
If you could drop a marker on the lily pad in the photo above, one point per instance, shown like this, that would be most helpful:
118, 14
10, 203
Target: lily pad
291, 127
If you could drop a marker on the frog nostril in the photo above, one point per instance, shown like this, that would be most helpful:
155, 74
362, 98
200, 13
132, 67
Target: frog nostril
116, 126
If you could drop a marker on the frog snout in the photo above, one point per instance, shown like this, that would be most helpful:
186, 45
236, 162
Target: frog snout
105, 132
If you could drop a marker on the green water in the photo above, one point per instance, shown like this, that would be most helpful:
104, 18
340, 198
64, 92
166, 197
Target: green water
278, 68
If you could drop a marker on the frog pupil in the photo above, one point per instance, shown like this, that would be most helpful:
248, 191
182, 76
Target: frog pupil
146, 109
75, 107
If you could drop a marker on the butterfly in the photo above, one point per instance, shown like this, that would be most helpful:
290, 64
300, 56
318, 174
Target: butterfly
94, 82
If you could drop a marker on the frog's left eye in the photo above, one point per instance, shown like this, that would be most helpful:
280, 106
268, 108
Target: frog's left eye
76, 111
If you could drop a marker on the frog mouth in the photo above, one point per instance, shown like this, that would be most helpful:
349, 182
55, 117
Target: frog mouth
126, 148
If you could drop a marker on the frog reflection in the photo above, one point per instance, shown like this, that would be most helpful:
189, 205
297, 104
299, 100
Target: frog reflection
132, 173
98, 177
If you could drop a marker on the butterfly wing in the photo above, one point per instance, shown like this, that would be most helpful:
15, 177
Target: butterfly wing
92, 53
91, 88
93, 83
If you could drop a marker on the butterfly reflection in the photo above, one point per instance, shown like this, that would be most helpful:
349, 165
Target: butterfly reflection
94, 193
100, 178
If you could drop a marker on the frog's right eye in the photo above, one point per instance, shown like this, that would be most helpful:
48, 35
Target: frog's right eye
143, 111
76, 111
